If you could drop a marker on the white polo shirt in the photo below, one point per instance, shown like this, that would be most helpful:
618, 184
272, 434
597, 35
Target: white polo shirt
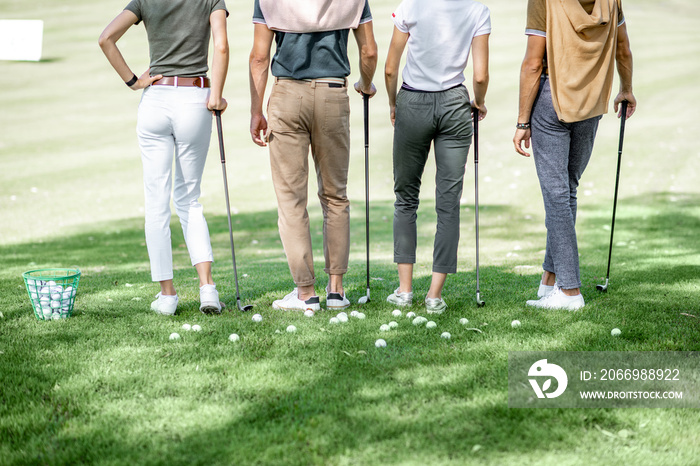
440, 38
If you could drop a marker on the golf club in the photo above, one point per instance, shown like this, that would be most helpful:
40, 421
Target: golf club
475, 115
228, 211
365, 101
623, 117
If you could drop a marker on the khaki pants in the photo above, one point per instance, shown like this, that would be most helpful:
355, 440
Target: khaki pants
303, 114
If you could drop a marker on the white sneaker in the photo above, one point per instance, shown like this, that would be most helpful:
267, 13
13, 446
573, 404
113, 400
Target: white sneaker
544, 290
336, 300
558, 300
400, 299
164, 304
435, 305
291, 302
209, 300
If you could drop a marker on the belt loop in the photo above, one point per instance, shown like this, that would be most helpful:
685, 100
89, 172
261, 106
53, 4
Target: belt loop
313, 84
175, 81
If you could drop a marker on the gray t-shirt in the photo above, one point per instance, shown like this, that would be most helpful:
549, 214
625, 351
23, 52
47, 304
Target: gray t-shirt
178, 34
311, 55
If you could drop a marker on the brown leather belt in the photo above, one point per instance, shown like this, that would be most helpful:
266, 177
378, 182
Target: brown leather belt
187, 82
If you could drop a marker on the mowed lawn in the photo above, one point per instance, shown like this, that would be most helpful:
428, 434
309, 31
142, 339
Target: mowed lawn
107, 386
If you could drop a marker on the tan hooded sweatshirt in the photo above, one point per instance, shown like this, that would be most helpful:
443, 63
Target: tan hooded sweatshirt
581, 57
303, 16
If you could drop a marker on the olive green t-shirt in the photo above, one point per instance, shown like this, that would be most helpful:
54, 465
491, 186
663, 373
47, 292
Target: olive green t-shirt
178, 34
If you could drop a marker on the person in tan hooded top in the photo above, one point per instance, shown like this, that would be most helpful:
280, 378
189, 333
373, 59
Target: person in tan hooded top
566, 80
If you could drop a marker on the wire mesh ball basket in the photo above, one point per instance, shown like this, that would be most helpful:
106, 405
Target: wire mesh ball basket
52, 292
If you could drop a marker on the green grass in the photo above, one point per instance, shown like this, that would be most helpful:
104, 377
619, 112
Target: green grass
107, 386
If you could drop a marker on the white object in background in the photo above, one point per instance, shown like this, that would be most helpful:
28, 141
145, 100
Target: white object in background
291, 329
446, 335
615, 332
380, 343
20, 39
234, 337
196, 328
515, 324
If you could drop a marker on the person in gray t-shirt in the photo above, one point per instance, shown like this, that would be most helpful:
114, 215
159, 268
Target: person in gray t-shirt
174, 120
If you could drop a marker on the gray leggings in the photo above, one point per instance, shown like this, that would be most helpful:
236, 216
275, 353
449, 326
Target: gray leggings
562, 151
422, 118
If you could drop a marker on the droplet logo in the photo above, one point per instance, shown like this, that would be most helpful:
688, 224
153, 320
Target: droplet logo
543, 369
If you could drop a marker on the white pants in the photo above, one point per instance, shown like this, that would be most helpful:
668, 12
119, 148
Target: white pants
174, 121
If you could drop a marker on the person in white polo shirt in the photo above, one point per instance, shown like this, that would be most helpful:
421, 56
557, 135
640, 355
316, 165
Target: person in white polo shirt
433, 107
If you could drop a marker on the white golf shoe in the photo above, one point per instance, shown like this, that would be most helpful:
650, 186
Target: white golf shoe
558, 300
209, 300
291, 302
336, 300
435, 305
164, 304
400, 299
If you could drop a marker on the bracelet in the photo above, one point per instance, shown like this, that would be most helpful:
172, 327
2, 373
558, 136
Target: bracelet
523, 125
132, 81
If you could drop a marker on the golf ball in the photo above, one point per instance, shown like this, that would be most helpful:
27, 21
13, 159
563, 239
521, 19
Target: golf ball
257, 318
353, 313
45, 300
419, 320
446, 335
430, 324
410, 315
186, 327
234, 337
360, 315
380, 343
309, 313
515, 324
343, 317
174, 336
396, 313
463, 321
393, 324
55, 316
334, 320
56, 289
46, 312
615, 332
196, 328
44, 291
56, 296
384, 328
291, 329
55, 304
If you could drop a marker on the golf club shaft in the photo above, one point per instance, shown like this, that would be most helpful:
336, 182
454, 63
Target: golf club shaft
220, 132
475, 114
623, 117
365, 101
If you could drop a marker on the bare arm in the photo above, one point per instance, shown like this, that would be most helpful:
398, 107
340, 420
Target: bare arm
623, 57
364, 35
219, 65
108, 43
530, 73
391, 68
258, 71
480, 58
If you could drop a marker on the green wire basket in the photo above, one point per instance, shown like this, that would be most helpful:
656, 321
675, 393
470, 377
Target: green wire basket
52, 292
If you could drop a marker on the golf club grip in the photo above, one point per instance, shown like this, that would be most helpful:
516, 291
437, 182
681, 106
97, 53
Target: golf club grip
475, 122
623, 118
365, 104
220, 132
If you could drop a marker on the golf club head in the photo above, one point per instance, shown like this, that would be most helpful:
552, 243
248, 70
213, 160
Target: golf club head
243, 308
479, 301
363, 300
603, 288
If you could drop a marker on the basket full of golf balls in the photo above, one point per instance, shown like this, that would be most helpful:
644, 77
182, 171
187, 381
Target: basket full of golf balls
52, 292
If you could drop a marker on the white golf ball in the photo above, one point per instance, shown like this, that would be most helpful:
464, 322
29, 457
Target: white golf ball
309, 313
257, 318
393, 324
56, 296
410, 315
384, 328
463, 321
430, 324
396, 313
615, 332
45, 300
56, 289
44, 291
174, 336
55, 316
334, 320
353, 313
46, 312
196, 328
343, 317
234, 337
515, 324
360, 315
291, 329
341, 314
418, 321
380, 343
55, 304
446, 335
186, 327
